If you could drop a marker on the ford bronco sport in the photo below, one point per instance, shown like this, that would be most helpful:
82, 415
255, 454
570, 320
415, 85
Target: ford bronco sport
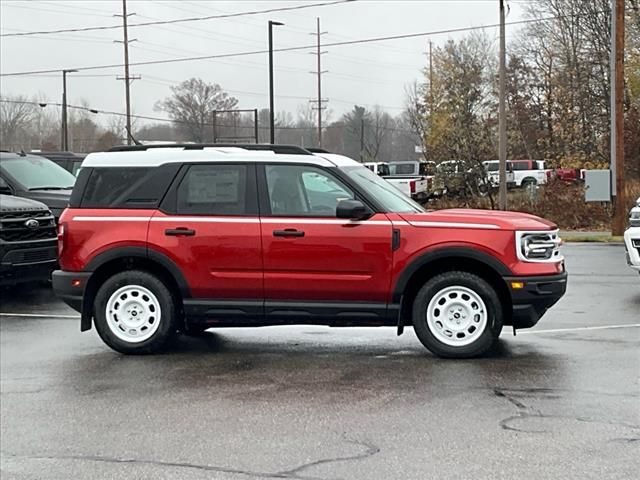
158, 240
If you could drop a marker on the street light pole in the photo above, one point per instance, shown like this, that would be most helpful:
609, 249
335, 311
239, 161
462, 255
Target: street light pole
64, 141
502, 121
617, 118
271, 108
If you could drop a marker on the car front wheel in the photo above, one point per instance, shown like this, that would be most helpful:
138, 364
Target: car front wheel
457, 315
135, 313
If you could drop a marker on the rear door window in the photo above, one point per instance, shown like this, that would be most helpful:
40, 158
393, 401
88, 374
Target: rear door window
213, 190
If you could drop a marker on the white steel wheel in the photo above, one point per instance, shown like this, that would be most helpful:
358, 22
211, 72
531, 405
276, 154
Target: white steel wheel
456, 316
133, 313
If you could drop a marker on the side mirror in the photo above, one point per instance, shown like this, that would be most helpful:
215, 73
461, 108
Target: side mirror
353, 210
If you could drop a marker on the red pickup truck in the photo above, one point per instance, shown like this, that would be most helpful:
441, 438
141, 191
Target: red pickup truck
180, 239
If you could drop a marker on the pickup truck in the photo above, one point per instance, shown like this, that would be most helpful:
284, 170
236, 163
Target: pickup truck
632, 237
414, 179
458, 178
379, 168
525, 172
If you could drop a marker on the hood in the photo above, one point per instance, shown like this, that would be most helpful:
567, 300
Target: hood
58, 199
480, 219
9, 203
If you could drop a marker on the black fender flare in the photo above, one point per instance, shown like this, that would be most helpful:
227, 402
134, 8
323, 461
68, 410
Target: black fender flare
146, 253
442, 253
130, 252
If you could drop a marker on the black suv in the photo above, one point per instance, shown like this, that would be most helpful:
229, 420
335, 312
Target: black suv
68, 160
36, 178
28, 241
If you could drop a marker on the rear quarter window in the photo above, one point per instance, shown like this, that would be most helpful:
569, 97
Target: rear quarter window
125, 187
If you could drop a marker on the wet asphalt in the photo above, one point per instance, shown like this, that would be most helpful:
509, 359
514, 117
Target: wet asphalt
559, 401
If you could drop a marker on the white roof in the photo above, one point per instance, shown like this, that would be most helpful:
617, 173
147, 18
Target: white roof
338, 160
154, 157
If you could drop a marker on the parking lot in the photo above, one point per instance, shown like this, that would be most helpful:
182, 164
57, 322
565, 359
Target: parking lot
559, 401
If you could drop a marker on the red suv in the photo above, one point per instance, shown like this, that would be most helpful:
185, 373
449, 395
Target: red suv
158, 240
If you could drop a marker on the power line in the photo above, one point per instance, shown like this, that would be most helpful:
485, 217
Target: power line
182, 122
302, 47
177, 20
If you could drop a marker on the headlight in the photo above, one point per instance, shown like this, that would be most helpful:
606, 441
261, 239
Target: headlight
634, 217
541, 247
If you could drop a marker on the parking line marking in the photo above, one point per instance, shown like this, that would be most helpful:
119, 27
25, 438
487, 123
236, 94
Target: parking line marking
576, 329
520, 332
37, 315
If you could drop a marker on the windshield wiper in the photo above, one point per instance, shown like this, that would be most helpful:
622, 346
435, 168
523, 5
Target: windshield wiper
50, 188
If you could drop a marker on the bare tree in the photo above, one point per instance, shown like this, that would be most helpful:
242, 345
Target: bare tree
415, 111
15, 116
380, 124
192, 104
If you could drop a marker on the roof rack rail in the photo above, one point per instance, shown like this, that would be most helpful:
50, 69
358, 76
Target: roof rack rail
281, 149
317, 150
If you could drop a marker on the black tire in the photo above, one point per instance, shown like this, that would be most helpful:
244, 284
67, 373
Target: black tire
484, 341
529, 182
164, 332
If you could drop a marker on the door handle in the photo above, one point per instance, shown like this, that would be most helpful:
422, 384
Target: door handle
180, 231
288, 232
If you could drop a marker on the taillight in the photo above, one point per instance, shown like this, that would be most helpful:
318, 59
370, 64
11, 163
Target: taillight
61, 239
412, 186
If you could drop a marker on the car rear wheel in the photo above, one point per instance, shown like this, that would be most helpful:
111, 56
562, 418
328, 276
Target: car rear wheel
135, 313
457, 315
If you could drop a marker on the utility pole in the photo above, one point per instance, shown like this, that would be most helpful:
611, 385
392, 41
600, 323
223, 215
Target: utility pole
64, 131
361, 138
430, 76
272, 115
502, 121
617, 118
127, 78
319, 101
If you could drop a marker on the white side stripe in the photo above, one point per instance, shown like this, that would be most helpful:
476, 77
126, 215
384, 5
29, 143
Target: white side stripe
323, 221
287, 220
207, 219
455, 225
250, 220
111, 219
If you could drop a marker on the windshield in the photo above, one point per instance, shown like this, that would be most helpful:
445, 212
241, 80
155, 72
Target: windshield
389, 198
35, 173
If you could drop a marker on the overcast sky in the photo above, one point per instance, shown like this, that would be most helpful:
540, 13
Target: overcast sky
369, 74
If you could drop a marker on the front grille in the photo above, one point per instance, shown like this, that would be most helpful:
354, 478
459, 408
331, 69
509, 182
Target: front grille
30, 255
14, 226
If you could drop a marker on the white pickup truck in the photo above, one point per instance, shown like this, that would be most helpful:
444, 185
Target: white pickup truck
414, 179
632, 237
379, 168
525, 172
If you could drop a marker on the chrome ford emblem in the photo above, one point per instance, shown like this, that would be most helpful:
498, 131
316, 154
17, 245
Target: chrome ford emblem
32, 223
